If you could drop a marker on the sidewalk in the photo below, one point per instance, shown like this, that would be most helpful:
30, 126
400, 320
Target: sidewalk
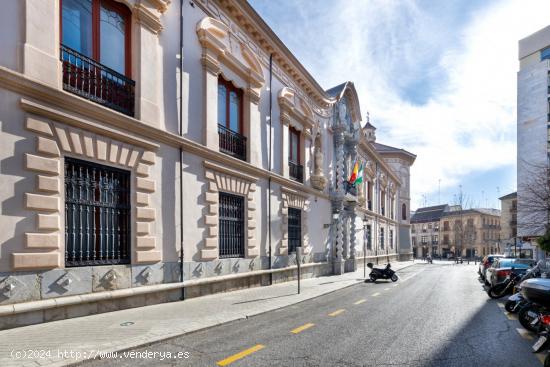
120, 330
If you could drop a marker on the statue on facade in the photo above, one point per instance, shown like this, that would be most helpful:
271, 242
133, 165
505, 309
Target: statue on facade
318, 180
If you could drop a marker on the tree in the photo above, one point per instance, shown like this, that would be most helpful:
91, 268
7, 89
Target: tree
534, 202
461, 232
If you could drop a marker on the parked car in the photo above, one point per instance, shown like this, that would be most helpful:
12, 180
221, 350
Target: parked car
502, 267
485, 264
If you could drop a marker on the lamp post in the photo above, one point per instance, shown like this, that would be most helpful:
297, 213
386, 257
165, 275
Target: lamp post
365, 239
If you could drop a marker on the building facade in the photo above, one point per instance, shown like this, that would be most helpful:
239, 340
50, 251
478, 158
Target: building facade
446, 231
149, 157
532, 132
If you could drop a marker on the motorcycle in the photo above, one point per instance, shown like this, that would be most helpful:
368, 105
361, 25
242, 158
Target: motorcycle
499, 290
537, 293
517, 301
386, 273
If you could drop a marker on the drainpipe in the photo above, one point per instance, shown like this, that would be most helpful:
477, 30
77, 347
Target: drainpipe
269, 167
181, 150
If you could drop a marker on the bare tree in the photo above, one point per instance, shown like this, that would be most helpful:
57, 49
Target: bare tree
461, 232
534, 200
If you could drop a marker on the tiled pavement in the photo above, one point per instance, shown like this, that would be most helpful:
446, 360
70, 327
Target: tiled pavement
51, 344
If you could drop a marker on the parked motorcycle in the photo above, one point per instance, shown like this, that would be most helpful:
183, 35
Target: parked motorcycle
517, 301
386, 273
499, 290
537, 292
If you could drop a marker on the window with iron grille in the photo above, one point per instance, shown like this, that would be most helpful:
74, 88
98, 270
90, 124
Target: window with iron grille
391, 238
294, 229
97, 214
368, 236
382, 238
231, 223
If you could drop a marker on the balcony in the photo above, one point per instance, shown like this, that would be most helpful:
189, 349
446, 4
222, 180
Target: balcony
296, 171
232, 143
95, 82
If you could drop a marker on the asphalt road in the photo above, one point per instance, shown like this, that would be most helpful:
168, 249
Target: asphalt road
435, 315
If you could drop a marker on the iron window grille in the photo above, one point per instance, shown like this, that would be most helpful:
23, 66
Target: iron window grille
294, 229
231, 223
96, 82
368, 237
296, 171
381, 238
97, 214
232, 143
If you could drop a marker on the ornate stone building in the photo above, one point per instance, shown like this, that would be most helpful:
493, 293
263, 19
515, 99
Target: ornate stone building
166, 157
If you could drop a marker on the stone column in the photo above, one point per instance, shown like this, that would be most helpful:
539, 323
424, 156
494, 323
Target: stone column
345, 220
337, 200
307, 162
210, 106
41, 43
255, 128
353, 237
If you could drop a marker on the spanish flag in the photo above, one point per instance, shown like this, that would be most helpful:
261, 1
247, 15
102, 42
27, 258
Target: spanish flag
354, 173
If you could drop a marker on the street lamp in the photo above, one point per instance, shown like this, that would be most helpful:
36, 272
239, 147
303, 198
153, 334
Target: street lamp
367, 237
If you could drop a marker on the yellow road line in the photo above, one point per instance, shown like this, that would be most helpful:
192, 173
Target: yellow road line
302, 328
511, 316
360, 301
375, 294
525, 334
337, 312
541, 357
236, 357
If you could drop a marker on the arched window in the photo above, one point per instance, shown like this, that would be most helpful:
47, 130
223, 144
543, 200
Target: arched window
404, 211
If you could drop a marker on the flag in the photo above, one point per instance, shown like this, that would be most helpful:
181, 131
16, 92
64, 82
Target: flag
354, 173
359, 178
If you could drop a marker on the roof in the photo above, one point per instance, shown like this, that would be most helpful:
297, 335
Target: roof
368, 125
509, 196
336, 91
429, 214
381, 148
486, 211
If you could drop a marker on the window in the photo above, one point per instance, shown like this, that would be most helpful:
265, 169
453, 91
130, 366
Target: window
368, 237
369, 195
294, 166
230, 101
545, 54
435, 239
231, 224
97, 214
381, 238
96, 52
391, 238
98, 29
424, 240
382, 202
404, 211
294, 229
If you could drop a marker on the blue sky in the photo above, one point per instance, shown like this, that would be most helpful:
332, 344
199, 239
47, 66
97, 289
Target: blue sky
438, 78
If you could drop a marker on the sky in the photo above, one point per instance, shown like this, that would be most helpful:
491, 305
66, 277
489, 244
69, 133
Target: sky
438, 79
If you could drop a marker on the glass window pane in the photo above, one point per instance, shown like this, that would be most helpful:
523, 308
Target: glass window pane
77, 25
112, 39
234, 104
222, 104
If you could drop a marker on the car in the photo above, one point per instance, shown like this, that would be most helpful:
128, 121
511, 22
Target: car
502, 267
485, 264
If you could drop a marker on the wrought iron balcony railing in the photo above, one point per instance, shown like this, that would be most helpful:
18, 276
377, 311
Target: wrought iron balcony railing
232, 143
91, 80
296, 171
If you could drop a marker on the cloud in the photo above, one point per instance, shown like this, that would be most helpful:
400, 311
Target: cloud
438, 80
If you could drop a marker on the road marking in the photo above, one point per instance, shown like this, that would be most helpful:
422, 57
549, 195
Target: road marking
511, 316
240, 355
337, 312
395, 285
360, 301
386, 289
501, 305
375, 294
302, 328
525, 334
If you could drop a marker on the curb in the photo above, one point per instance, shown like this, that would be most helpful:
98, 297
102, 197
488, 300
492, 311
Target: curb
177, 335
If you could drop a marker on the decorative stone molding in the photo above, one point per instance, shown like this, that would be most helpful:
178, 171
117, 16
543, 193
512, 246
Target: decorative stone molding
53, 141
298, 200
219, 44
224, 179
318, 180
296, 107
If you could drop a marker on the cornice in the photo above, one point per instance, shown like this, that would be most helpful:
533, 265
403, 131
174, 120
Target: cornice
47, 99
367, 148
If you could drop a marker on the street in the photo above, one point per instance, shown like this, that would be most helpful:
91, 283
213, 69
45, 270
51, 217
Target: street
435, 315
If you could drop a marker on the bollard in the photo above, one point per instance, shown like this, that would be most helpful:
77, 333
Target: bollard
298, 264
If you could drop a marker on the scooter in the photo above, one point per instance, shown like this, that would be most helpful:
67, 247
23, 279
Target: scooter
386, 273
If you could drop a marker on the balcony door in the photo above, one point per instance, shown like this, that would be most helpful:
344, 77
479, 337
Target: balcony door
99, 30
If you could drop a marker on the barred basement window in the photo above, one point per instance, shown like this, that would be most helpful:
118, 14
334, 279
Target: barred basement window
231, 223
97, 214
294, 229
